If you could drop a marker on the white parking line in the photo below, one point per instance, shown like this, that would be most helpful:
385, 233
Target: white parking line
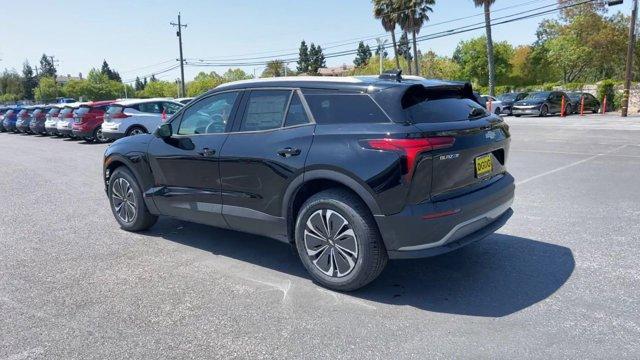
28, 354
568, 166
575, 153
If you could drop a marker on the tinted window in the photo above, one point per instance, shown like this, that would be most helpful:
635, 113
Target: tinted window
344, 109
209, 115
538, 96
81, 111
265, 110
296, 114
171, 108
150, 107
508, 97
445, 110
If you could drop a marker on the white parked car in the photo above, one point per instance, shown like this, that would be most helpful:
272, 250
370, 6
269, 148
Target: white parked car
495, 106
137, 116
184, 100
64, 125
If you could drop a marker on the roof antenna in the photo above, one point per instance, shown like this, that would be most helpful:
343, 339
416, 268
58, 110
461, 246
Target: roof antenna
395, 75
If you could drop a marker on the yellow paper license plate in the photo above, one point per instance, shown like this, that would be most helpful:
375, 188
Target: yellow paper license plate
484, 165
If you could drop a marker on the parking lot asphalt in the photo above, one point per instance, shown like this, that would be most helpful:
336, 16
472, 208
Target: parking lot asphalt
560, 280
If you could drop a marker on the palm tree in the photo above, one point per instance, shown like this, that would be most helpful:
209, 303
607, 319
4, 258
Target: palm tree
387, 12
413, 15
487, 23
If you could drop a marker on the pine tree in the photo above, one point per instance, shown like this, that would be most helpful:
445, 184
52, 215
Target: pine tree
153, 78
47, 66
138, 85
316, 59
144, 83
363, 55
303, 58
29, 82
111, 74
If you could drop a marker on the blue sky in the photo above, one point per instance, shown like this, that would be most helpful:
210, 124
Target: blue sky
136, 39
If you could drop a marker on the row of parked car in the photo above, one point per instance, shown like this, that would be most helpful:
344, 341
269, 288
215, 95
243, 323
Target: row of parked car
95, 121
541, 103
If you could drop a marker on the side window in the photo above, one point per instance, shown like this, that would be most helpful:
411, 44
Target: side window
296, 114
150, 107
170, 108
265, 110
334, 108
209, 115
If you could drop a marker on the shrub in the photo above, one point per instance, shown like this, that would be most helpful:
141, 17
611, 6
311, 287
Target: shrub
607, 88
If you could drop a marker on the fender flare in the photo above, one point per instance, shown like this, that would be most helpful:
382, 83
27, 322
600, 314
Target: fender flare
332, 175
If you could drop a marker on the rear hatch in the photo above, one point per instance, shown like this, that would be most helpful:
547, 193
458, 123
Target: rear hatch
114, 112
481, 140
80, 113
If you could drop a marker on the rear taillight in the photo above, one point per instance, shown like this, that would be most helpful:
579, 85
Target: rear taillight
410, 148
120, 115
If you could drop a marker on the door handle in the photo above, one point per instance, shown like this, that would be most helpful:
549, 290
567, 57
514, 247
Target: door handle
289, 151
207, 152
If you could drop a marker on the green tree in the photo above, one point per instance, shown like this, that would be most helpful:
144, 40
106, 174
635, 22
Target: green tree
363, 54
111, 74
152, 79
387, 12
486, 4
303, 58
235, 75
159, 89
97, 86
439, 67
138, 85
316, 59
412, 18
204, 82
47, 89
47, 67
29, 81
404, 51
274, 68
11, 85
472, 57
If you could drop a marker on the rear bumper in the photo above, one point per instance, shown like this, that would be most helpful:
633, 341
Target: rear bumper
474, 216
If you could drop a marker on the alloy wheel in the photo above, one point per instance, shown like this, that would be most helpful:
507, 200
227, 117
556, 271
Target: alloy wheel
331, 243
124, 200
136, 132
99, 136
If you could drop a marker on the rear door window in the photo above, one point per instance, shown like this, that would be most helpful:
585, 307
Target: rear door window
296, 114
343, 108
150, 107
265, 110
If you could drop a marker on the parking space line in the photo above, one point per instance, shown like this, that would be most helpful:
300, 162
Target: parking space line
574, 153
568, 166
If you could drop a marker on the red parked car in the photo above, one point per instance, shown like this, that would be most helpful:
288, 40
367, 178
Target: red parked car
88, 120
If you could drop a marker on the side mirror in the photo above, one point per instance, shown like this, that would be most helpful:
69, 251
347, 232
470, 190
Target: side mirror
163, 131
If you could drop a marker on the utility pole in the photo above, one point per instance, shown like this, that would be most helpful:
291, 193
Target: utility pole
179, 34
630, 53
55, 78
381, 45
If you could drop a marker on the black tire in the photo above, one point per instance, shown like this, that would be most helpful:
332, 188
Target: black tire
97, 136
544, 111
517, 115
371, 255
134, 130
142, 219
568, 110
498, 111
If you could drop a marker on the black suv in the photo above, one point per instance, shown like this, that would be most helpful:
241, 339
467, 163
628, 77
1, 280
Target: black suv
350, 171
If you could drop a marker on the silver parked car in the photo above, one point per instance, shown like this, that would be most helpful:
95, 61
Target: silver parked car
137, 116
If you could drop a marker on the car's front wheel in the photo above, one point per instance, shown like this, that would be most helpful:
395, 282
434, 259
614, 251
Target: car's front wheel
136, 130
127, 203
338, 241
544, 110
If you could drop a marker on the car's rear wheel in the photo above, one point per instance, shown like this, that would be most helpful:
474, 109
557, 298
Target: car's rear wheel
98, 136
127, 203
498, 111
338, 241
136, 130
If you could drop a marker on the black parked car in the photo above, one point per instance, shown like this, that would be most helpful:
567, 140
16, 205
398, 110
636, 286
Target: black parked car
591, 104
350, 171
542, 104
508, 99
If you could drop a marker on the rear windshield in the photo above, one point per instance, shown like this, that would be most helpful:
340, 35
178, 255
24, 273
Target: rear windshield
23, 112
438, 105
333, 108
54, 111
81, 111
37, 112
66, 111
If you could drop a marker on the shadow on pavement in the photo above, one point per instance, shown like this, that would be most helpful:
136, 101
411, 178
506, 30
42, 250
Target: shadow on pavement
495, 277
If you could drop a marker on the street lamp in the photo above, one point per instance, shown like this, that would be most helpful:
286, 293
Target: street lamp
381, 45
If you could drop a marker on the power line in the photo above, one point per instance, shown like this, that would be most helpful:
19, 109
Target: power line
450, 32
351, 41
